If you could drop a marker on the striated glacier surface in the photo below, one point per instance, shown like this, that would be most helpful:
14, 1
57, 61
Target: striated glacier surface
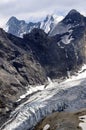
68, 95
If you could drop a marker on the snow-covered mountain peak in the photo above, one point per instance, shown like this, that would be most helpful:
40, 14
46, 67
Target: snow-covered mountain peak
48, 23
12, 20
52, 24
49, 17
20, 27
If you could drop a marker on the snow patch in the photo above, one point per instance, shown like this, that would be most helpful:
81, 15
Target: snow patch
66, 39
58, 19
33, 89
46, 127
83, 123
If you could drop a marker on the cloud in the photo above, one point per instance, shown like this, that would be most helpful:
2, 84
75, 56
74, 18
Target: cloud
34, 9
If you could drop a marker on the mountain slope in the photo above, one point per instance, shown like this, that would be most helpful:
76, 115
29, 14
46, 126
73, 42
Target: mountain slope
18, 68
66, 121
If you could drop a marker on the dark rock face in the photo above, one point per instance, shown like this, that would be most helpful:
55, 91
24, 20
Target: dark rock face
73, 17
18, 68
72, 37
56, 57
36, 56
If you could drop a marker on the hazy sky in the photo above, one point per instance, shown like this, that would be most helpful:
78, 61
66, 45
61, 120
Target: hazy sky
36, 9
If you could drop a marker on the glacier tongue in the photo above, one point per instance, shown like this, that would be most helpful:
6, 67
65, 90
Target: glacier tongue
69, 95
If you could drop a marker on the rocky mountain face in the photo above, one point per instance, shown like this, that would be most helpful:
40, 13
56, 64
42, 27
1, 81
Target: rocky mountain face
73, 19
18, 68
72, 33
36, 56
20, 27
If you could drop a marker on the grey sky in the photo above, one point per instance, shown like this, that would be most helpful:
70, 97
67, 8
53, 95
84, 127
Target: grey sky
29, 9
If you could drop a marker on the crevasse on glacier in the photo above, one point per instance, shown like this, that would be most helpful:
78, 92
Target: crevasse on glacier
69, 96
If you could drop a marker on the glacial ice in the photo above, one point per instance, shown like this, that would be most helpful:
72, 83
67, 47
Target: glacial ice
68, 95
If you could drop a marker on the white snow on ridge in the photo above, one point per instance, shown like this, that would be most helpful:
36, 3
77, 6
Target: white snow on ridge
69, 95
6, 28
46, 25
58, 18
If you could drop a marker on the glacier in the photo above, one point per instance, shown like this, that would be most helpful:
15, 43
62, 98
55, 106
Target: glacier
69, 95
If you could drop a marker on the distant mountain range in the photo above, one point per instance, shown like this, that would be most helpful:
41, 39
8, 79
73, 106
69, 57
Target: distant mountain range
20, 27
